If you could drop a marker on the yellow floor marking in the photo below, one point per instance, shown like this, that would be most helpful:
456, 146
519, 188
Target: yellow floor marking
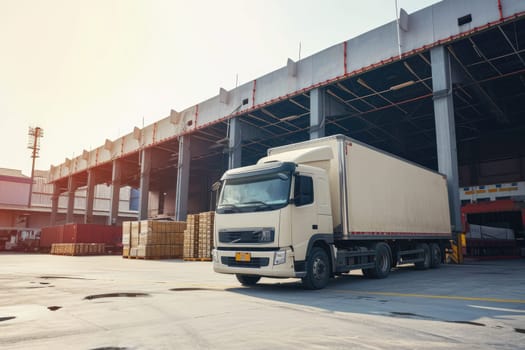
430, 296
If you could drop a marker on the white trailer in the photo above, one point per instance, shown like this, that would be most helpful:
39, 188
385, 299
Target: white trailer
327, 206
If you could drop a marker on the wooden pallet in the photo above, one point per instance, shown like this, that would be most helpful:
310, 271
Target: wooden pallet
73, 254
197, 259
151, 257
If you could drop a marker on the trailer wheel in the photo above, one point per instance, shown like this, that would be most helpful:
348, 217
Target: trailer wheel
248, 280
317, 269
425, 264
383, 262
435, 255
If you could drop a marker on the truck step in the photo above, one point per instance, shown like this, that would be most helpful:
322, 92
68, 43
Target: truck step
355, 267
410, 252
410, 261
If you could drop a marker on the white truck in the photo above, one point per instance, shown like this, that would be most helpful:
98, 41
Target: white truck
320, 208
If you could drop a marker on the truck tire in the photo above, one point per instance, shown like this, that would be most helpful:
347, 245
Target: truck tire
435, 255
382, 261
425, 264
317, 269
248, 280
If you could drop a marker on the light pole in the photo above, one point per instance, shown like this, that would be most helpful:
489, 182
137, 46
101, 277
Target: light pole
34, 145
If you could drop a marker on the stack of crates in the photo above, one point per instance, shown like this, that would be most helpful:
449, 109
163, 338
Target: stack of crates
126, 237
76, 249
191, 236
205, 244
198, 237
153, 239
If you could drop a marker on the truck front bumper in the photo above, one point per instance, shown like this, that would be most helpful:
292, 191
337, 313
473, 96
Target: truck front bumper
260, 263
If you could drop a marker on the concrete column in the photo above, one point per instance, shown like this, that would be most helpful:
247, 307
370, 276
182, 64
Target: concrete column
183, 178
446, 130
317, 113
114, 197
71, 188
145, 168
54, 205
235, 144
90, 197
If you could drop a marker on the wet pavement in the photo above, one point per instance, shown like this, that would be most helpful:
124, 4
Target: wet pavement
107, 302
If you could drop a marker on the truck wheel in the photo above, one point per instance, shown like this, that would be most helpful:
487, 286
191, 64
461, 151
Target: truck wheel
394, 258
435, 255
317, 270
383, 262
248, 280
425, 264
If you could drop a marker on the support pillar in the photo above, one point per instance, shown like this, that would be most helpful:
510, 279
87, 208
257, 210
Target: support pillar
235, 144
183, 178
446, 130
54, 204
145, 168
114, 198
317, 113
71, 188
90, 197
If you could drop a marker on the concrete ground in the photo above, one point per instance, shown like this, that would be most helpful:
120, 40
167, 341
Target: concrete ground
106, 302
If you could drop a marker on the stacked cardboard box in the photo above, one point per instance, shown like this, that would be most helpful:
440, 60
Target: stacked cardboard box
206, 221
126, 237
198, 237
78, 248
154, 239
191, 235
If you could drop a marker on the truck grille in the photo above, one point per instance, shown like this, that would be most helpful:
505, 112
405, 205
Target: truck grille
248, 236
254, 262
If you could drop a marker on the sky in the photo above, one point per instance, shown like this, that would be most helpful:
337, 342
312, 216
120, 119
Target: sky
87, 71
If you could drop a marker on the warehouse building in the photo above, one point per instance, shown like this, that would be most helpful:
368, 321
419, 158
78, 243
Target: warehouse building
443, 87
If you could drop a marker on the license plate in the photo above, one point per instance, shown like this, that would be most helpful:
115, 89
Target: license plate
244, 257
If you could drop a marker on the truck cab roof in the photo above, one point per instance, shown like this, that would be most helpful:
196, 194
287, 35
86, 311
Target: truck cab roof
259, 169
306, 155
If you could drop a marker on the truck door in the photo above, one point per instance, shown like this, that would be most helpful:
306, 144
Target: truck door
304, 214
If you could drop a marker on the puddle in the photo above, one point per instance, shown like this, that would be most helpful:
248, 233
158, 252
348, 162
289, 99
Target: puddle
404, 314
110, 348
64, 277
7, 318
519, 330
468, 322
54, 308
45, 283
189, 289
116, 295
412, 315
408, 314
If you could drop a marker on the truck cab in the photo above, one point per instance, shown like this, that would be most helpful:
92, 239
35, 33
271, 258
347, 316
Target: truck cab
266, 218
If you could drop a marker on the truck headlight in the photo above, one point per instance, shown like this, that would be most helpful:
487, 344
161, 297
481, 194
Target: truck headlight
279, 257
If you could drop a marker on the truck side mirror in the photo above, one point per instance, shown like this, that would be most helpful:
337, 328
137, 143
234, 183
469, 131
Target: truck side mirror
216, 186
303, 190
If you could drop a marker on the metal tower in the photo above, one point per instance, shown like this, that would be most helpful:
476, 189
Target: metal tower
34, 145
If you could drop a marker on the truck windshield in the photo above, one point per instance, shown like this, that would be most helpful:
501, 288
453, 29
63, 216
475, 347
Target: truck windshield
255, 193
